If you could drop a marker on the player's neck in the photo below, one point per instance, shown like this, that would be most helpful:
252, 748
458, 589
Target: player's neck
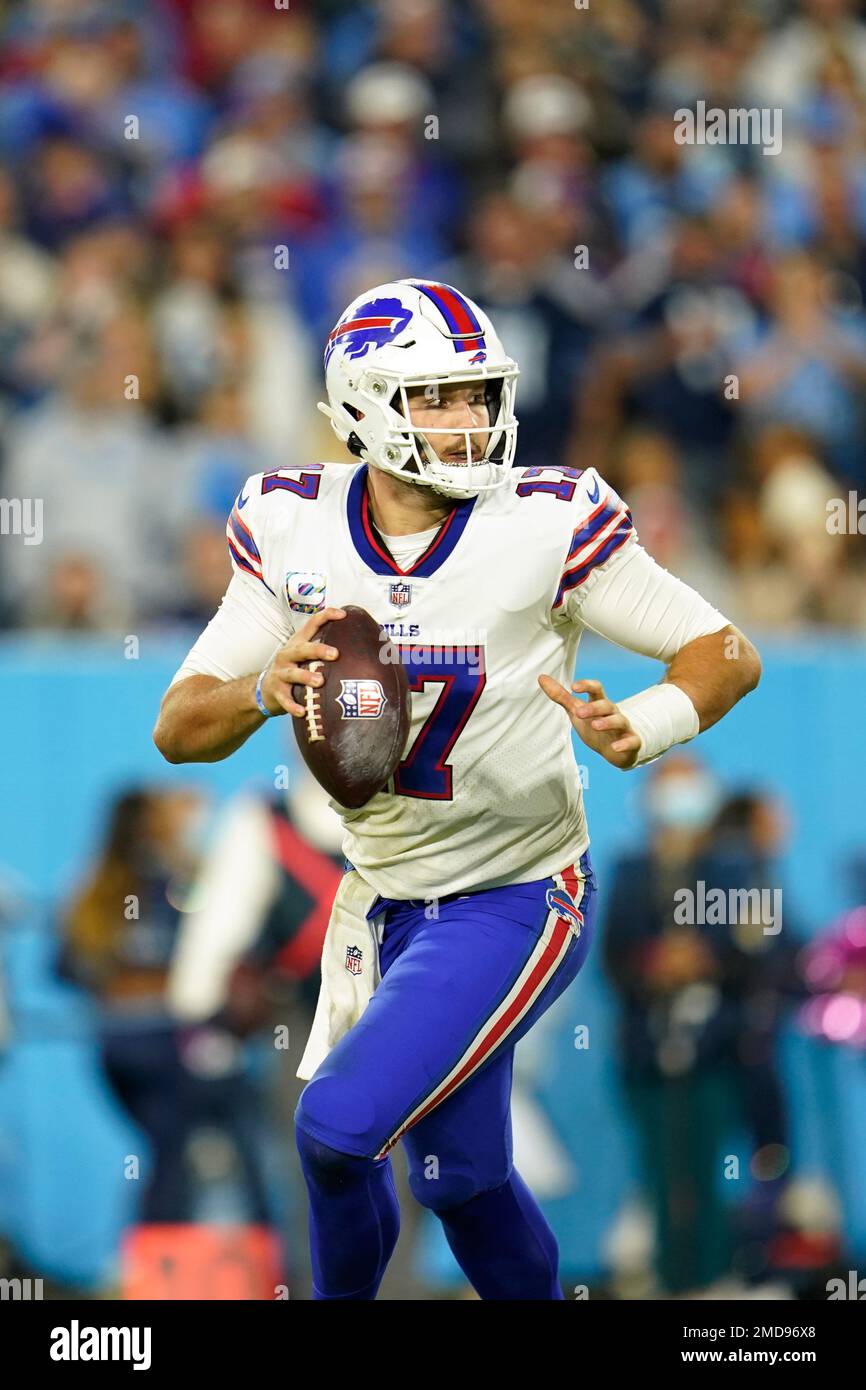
402, 509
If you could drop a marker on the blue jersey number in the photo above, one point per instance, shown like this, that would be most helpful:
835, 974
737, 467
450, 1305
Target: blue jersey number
306, 484
563, 486
460, 672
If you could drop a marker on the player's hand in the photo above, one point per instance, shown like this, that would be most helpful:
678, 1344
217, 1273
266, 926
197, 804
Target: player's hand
283, 671
598, 721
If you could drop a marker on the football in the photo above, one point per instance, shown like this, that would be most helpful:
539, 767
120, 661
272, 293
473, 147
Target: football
356, 724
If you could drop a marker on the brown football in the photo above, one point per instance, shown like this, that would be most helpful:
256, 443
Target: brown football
356, 724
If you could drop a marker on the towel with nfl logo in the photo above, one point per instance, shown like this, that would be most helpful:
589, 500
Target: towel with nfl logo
350, 971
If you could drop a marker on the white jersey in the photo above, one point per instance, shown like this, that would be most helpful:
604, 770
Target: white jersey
488, 792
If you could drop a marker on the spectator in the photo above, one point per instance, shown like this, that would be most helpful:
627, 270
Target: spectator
807, 365
280, 161
121, 938
695, 1023
94, 458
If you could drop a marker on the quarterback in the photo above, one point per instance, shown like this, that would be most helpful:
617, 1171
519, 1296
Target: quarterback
468, 901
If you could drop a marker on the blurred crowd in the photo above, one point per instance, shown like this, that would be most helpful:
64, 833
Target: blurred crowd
202, 1003
192, 190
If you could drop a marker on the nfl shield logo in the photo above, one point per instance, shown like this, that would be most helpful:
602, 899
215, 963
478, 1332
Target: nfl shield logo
361, 699
400, 594
354, 960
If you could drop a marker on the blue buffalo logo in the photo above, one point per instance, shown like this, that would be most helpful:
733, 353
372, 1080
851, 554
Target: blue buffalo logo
565, 908
372, 325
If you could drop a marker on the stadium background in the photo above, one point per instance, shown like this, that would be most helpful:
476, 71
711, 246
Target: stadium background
165, 286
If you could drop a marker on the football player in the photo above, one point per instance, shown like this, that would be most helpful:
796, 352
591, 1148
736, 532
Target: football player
468, 901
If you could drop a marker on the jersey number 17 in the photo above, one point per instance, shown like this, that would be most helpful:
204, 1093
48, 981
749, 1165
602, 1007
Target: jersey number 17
426, 772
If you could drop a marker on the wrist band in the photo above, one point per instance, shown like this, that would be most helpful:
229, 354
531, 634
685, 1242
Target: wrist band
259, 701
662, 715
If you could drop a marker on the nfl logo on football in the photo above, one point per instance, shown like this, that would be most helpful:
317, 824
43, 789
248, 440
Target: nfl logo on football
400, 594
361, 699
354, 960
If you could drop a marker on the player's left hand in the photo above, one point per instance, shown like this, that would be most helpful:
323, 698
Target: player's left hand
598, 721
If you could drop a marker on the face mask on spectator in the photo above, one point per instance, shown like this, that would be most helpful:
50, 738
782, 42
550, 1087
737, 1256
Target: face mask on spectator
683, 803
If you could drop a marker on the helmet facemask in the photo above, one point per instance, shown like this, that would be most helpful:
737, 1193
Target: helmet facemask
409, 451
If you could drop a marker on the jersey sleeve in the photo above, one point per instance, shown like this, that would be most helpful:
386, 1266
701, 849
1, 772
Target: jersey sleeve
251, 621
601, 532
245, 529
613, 587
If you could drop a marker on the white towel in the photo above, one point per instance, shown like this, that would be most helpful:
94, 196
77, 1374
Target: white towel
350, 971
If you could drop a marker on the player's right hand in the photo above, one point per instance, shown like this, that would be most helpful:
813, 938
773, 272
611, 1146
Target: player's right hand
283, 670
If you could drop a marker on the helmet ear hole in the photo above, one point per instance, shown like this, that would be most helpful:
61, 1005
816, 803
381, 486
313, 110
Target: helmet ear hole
353, 443
493, 397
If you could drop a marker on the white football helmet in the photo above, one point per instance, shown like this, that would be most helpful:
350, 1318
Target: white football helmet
409, 334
